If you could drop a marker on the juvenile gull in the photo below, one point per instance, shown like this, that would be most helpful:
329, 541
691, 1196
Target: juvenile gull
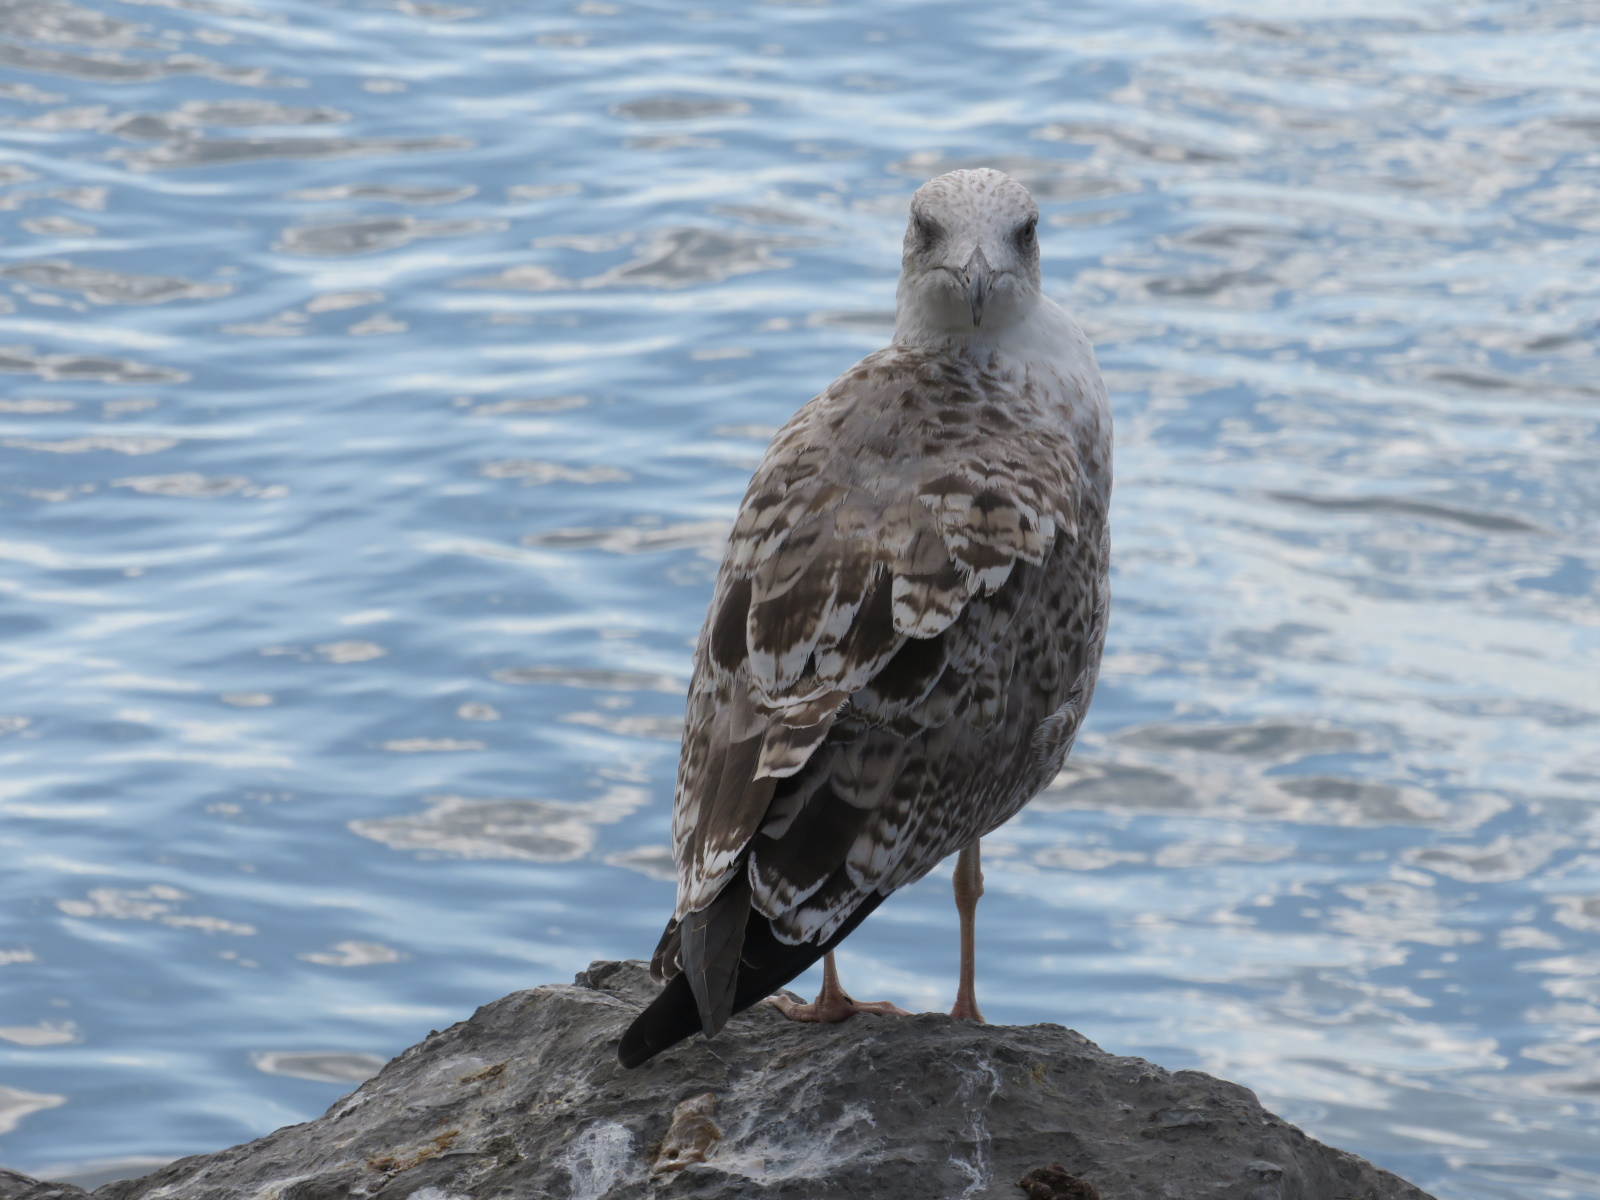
906, 626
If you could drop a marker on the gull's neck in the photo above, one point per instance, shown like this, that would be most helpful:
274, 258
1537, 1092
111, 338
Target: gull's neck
1027, 334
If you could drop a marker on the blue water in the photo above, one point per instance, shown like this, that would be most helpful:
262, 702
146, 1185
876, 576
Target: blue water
379, 380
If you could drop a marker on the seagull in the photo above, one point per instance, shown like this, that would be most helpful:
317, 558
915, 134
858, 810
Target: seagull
906, 627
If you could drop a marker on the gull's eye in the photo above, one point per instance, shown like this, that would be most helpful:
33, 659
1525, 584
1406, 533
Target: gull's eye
928, 234
1026, 235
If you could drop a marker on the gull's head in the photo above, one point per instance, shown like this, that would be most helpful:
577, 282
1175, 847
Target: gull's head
971, 257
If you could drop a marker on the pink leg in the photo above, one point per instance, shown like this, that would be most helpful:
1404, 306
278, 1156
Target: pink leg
969, 886
832, 1003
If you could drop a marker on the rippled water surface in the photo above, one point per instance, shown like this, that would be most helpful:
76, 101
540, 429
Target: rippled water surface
378, 381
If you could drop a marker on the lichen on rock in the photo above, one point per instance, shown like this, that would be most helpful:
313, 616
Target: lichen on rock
691, 1136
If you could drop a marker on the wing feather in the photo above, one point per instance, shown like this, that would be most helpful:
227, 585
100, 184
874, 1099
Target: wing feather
793, 593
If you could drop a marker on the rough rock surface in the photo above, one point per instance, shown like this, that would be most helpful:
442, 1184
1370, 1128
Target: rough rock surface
526, 1100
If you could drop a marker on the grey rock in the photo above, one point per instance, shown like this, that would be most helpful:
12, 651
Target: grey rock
526, 1100
15, 1186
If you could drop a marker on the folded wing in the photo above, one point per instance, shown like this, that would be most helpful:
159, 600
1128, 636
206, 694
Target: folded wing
858, 632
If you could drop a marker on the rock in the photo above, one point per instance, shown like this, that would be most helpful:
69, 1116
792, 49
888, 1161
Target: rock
526, 1100
14, 1186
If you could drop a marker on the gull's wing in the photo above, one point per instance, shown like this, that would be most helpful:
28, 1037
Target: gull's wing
863, 605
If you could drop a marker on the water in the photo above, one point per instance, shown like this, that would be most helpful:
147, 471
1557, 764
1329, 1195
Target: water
380, 380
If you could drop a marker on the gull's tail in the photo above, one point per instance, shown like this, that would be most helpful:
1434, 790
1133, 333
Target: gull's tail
730, 979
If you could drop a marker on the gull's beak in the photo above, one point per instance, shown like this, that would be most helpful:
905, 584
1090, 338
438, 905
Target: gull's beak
975, 278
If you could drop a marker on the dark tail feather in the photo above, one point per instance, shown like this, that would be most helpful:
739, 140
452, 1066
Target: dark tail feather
764, 965
710, 942
671, 1017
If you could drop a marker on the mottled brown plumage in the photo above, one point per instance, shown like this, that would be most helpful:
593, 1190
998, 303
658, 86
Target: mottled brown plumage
907, 623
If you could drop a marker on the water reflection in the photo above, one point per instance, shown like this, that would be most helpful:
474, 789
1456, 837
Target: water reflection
101, 286
323, 1066
381, 381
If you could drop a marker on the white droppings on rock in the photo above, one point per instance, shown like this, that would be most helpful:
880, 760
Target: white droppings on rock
597, 1159
977, 1089
768, 1152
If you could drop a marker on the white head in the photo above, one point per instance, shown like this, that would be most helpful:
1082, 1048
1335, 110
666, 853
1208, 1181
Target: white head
971, 257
